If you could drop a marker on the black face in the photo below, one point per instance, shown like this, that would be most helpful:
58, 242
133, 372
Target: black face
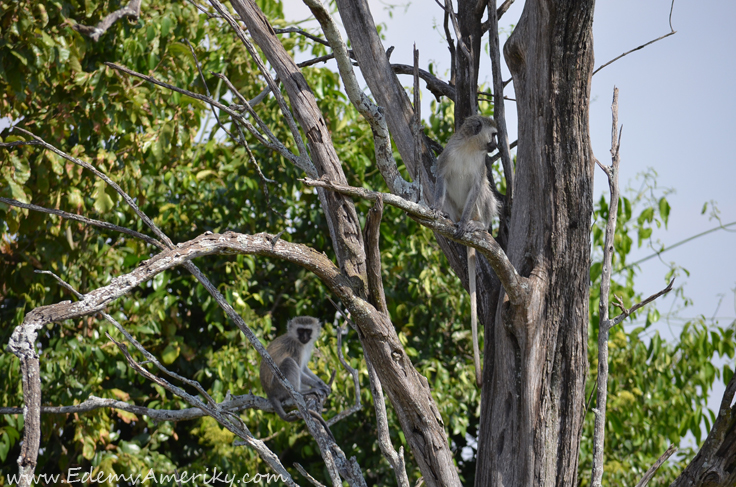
492, 144
304, 334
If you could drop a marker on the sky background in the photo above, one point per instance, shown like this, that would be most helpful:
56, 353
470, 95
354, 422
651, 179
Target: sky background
676, 103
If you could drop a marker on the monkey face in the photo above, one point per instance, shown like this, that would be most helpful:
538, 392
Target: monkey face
493, 143
304, 334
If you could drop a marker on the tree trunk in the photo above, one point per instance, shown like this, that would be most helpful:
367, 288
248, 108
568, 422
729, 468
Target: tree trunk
536, 354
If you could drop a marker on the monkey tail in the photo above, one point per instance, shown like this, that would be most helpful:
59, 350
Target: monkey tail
280, 411
322, 421
474, 316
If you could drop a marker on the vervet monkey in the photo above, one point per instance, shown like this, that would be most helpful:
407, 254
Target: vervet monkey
464, 193
291, 352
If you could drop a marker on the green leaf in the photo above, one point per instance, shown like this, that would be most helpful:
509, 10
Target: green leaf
170, 353
103, 201
664, 210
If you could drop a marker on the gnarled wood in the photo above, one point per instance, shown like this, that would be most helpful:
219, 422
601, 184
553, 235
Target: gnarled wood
532, 399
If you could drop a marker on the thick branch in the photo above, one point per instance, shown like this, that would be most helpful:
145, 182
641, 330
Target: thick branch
515, 285
372, 237
132, 11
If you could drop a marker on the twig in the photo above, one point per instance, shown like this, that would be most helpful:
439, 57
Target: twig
207, 89
132, 11
295, 30
499, 13
681, 242
625, 313
672, 31
356, 382
435, 85
653, 469
82, 219
306, 475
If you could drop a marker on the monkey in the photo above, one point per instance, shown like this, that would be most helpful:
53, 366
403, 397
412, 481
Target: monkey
291, 352
464, 193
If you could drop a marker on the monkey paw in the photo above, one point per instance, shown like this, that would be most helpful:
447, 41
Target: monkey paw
469, 226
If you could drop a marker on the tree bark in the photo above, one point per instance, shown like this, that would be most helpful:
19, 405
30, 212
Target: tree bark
715, 463
533, 395
408, 391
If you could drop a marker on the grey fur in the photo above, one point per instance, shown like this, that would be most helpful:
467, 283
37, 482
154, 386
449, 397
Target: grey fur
291, 352
463, 192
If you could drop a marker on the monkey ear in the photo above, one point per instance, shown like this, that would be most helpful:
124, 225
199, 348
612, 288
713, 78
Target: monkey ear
475, 125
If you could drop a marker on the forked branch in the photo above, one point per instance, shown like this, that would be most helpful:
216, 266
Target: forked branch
131, 11
514, 284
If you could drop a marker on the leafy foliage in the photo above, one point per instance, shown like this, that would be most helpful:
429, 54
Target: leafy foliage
165, 150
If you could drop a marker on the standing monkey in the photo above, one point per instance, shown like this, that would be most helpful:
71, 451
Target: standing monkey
464, 193
291, 352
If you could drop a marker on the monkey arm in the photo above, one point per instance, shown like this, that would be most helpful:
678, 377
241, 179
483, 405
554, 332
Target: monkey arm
470, 210
312, 381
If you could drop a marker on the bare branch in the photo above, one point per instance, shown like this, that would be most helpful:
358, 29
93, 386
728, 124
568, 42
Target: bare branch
234, 404
499, 13
435, 85
131, 11
499, 110
356, 381
372, 237
515, 285
306, 34
306, 475
653, 469
372, 113
604, 325
627, 312
82, 219
288, 117
227, 419
672, 31
106, 179
396, 460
